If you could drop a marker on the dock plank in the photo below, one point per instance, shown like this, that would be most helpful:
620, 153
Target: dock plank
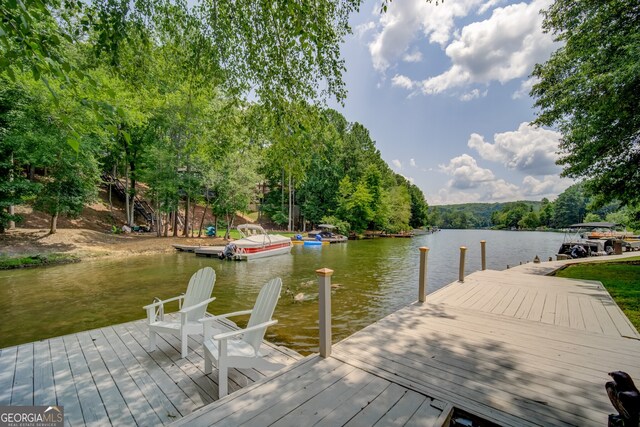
66, 391
403, 410
117, 409
350, 408
8, 363
378, 407
427, 415
93, 411
22, 392
44, 392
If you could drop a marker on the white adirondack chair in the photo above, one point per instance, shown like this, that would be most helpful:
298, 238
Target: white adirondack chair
193, 306
240, 349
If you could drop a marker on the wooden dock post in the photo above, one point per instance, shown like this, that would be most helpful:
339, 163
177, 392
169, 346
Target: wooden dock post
463, 249
324, 301
483, 254
422, 282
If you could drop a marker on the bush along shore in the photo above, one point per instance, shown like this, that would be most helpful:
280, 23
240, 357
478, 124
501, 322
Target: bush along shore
39, 260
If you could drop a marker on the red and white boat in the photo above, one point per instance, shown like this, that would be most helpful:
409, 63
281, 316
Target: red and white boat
256, 243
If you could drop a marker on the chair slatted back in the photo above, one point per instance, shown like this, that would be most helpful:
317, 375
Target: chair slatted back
199, 289
262, 311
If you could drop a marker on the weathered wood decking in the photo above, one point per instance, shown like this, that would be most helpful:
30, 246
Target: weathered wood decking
106, 376
512, 348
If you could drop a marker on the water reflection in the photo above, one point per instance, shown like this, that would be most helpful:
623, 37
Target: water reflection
374, 278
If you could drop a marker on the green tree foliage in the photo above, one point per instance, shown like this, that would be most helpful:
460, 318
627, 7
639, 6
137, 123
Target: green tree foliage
70, 184
570, 206
354, 204
18, 124
589, 90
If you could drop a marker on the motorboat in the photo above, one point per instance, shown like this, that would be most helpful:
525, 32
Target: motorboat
325, 233
595, 239
256, 243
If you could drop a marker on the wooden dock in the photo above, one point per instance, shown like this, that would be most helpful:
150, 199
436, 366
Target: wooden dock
510, 348
107, 377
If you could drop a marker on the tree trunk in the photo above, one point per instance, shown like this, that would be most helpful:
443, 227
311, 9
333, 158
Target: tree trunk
230, 219
126, 193
185, 231
158, 219
166, 226
175, 222
193, 218
54, 224
204, 212
289, 224
12, 223
132, 170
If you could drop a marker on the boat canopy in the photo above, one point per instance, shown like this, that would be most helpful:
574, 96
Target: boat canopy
250, 229
594, 225
329, 226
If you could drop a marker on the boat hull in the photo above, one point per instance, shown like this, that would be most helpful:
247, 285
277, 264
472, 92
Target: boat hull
246, 254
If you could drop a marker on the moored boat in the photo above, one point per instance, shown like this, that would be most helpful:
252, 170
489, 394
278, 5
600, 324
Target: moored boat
325, 233
594, 239
256, 243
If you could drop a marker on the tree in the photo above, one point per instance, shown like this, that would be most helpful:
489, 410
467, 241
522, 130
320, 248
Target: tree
70, 184
19, 128
589, 90
570, 206
354, 204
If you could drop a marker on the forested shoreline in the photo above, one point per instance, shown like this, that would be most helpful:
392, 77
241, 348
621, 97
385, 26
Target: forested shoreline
572, 206
184, 108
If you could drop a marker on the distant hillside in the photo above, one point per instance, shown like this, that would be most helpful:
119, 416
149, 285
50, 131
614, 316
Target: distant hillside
470, 215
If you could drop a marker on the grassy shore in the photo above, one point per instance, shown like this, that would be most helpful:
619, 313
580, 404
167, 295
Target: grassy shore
621, 278
7, 263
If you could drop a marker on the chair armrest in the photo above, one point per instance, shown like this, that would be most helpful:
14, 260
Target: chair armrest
226, 335
200, 304
224, 316
155, 304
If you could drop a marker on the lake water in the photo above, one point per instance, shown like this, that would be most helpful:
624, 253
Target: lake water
375, 277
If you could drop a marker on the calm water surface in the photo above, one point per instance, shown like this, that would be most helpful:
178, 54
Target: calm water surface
375, 278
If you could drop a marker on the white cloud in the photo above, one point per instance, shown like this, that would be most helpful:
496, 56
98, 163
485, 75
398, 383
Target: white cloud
397, 163
549, 186
402, 81
529, 149
466, 173
412, 162
415, 56
488, 5
362, 29
405, 20
475, 93
503, 47
525, 88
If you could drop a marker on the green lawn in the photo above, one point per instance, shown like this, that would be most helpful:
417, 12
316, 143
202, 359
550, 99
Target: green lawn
621, 278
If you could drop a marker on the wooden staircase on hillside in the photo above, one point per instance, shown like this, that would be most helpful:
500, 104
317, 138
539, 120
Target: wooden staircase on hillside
140, 206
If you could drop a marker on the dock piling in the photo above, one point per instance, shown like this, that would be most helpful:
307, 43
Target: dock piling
483, 254
324, 301
422, 283
463, 250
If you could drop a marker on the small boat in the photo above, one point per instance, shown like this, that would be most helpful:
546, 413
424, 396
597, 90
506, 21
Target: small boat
256, 243
325, 233
594, 239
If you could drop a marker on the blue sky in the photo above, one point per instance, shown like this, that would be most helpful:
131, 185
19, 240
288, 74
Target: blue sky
444, 92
